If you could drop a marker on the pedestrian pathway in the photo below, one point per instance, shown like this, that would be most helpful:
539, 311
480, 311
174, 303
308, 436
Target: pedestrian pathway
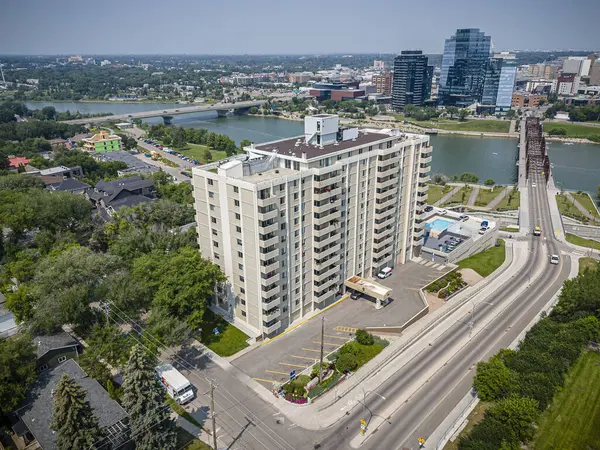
473, 196
581, 208
497, 199
447, 197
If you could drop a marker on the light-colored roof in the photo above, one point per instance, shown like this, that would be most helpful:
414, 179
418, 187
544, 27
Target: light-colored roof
102, 136
172, 376
368, 287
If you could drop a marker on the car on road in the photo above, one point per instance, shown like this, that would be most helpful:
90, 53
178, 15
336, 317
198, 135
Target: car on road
554, 259
165, 111
386, 272
537, 231
533, 185
428, 208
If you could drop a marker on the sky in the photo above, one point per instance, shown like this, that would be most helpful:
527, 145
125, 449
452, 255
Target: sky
288, 27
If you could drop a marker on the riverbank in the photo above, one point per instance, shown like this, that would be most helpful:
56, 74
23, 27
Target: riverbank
117, 102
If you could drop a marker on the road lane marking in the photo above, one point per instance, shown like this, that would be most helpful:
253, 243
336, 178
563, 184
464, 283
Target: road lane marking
293, 365
326, 343
303, 357
311, 350
274, 371
265, 381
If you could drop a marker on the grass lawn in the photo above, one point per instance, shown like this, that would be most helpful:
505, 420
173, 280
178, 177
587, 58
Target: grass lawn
586, 202
506, 205
574, 130
230, 339
587, 263
435, 192
181, 411
486, 126
510, 229
197, 151
487, 261
460, 198
567, 208
487, 195
576, 240
187, 441
573, 420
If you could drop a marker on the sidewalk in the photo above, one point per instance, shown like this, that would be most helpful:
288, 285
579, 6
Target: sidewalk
580, 207
199, 433
328, 410
473, 196
498, 199
557, 224
447, 197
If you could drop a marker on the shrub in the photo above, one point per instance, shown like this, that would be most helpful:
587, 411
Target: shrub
350, 348
346, 362
363, 337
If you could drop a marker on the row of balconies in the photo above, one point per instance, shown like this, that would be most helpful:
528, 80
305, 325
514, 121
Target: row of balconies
326, 251
327, 260
334, 268
384, 213
329, 182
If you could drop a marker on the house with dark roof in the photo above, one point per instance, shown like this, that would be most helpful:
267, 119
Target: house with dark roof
69, 185
34, 416
55, 349
123, 192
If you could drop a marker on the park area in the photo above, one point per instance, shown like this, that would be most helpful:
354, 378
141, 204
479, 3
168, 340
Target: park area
484, 126
567, 208
229, 339
485, 196
510, 202
487, 261
201, 152
436, 192
460, 198
572, 130
573, 419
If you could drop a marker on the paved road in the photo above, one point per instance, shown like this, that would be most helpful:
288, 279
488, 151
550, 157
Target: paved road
167, 112
426, 409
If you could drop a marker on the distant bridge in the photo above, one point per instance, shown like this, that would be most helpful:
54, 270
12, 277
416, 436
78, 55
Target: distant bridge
221, 108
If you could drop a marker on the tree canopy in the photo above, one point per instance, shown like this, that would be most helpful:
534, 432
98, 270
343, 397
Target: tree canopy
17, 370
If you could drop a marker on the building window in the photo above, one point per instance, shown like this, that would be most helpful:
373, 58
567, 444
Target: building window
295, 196
243, 302
235, 189
237, 216
62, 359
211, 194
244, 313
241, 266
239, 242
212, 207
210, 182
282, 187
238, 229
241, 278
283, 226
282, 200
236, 202
240, 255
216, 255
213, 220
214, 232
42, 368
215, 244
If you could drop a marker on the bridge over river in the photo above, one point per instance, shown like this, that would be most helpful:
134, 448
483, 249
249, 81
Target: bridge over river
221, 108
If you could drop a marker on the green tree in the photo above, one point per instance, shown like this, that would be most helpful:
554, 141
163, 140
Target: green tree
108, 343
143, 399
49, 112
469, 178
346, 362
73, 418
244, 143
178, 137
17, 370
452, 110
511, 114
518, 414
463, 114
207, 155
493, 379
181, 282
489, 182
127, 141
365, 338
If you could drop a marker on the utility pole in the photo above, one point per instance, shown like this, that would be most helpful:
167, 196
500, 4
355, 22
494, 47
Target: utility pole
322, 344
212, 413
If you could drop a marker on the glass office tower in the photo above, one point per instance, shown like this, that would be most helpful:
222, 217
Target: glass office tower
498, 85
412, 79
463, 67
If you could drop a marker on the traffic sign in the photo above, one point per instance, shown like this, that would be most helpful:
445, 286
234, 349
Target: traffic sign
292, 375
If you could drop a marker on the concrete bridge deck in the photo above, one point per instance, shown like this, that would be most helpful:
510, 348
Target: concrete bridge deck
168, 112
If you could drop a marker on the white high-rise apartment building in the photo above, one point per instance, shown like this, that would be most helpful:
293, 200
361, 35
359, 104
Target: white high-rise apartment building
295, 218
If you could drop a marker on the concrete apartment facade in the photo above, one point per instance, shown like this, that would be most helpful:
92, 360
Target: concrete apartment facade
298, 217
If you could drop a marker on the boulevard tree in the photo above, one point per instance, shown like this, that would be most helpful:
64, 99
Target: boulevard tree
17, 370
144, 401
73, 418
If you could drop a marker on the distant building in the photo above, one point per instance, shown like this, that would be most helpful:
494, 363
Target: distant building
463, 67
594, 76
383, 83
300, 77
566, 84
412, 79
527, 100
335, 90
14, 163
110, 196
135, 165
545, 71
102, 142
69, 185
379, 65
498, 85
578, 65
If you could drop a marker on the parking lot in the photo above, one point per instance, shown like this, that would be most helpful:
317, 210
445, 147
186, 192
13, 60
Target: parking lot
299, 348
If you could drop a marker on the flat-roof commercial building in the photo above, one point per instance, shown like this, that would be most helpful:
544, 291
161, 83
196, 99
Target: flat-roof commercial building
299, 216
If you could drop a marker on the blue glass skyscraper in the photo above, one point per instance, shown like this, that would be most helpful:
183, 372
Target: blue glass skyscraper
498, 85
463, 67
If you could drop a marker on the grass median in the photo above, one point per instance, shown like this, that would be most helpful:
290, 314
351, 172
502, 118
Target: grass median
460, 198
582, 242
573, 419
573, 130
510, 202
587, 263
487, 261
585, 201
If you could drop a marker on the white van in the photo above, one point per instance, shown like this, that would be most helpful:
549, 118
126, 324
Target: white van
177, 386
386, 272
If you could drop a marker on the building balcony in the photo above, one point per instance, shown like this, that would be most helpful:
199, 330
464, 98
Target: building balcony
387, 172
386, 194
423, 178
268, 242
327, 205
392, 201
391, 182
268, 215
390, 160
326, 260
328, 227
274, 290
382, 230
422, 196
328, 182
332, 214
327, 193
327, 285
385, 214
419, 225
327, 241
425, 170
418, 240
270, 255
267, 280
324, 275
267, 201
269, 316
271, 267
325, 253
383, 222
383, 244
422, 215
426, 159
268, 228
271, 328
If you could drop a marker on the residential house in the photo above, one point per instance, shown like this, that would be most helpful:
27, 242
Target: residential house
8, 325
123, 192
55, 349
32, 430
69, 185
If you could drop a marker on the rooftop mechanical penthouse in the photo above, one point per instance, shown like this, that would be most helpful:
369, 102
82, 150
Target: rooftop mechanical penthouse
292, 219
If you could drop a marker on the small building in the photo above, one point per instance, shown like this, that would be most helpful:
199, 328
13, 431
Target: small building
135, 165
527, 100
14, 163
69, 185
125, 125
32, 430
110, 196
55, 349
102, 142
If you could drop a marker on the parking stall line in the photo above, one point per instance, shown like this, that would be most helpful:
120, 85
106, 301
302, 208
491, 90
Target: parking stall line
265, 381
311, 350
336, 337
293, 365
346, 329
303, 357
274, 371
326, 343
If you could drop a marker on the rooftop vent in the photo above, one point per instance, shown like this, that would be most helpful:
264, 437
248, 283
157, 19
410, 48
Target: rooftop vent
276, 171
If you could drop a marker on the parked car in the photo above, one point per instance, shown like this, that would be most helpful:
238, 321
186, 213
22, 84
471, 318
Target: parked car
355, 295
482, 230
386, 272
464, 217
428, 208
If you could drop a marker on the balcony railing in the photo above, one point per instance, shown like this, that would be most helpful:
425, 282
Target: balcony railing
271, 328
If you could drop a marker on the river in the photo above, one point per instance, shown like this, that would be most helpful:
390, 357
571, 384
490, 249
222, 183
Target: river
575, 166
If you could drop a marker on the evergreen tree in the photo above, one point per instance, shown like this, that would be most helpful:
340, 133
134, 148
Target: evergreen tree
143, 398
73, 419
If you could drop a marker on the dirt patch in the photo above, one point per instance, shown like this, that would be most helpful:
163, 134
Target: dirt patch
470, 276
